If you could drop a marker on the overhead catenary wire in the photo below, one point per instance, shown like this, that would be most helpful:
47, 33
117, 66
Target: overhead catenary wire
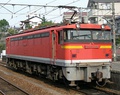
59, 7
5, 4
55, 7
20, 9
29, 8
84, 9
34, 5
57, 16
42, 7
7, 9
27, 5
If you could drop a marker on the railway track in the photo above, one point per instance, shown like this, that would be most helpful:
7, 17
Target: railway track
6, 88
86, 90
95, 90
107, 90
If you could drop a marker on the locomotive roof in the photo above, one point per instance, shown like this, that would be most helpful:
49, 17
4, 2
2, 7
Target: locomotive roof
60, 27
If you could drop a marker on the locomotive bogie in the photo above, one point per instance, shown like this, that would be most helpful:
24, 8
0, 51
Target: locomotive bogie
50, 71
85, 72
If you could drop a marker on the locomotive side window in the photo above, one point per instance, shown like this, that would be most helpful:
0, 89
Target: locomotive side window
86, 35
60, 37
40, 35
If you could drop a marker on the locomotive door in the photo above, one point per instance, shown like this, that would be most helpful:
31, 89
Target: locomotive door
7, 45
53, 46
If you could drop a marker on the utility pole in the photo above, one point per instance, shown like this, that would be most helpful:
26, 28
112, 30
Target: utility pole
113, 31
80, 14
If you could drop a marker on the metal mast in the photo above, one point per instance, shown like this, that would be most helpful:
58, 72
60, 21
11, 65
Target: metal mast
113, 31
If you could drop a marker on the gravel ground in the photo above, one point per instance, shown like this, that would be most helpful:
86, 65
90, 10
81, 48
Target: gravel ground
34, 86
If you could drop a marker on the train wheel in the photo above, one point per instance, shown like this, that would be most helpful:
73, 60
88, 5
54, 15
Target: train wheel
78, 87
65, 81
102, 83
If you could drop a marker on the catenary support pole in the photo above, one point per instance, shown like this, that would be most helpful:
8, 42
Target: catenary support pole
113, 31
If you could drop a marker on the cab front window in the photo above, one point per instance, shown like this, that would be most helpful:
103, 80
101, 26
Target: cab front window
86, 35
101, 35
77, 35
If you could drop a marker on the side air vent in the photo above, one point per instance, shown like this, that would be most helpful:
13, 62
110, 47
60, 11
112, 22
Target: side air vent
74, 55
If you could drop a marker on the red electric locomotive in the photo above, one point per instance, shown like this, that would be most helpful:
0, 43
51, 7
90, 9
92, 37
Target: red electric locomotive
76, 52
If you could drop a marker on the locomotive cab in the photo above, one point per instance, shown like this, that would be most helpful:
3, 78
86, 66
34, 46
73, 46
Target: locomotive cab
87, 53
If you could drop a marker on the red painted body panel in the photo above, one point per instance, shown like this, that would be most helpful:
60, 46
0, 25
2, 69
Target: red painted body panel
85, 53
42, 47
39, 47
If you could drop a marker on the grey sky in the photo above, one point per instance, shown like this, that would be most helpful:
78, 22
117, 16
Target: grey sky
56, 15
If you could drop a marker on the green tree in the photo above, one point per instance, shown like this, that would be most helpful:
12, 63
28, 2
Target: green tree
28, 26
118, 41
3, 25
45, 22
43, 19
12, 31
2, 46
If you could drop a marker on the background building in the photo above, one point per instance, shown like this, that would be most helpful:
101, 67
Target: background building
31, 21
101, 11
76, 18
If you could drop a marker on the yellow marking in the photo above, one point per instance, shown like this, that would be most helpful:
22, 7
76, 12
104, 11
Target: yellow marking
105, 47
72, 47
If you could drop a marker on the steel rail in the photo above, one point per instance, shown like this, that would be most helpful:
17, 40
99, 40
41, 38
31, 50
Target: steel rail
14, 86
107, 90
2, 92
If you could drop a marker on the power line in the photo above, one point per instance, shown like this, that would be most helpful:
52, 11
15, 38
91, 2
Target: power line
20, 9
61, 7
54, 7
43, 7
7, 9
5, 4
27, 5
73, 2
31, 5
56, 17
51, 2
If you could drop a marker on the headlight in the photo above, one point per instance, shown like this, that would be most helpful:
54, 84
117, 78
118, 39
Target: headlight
102, 26
77, 25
